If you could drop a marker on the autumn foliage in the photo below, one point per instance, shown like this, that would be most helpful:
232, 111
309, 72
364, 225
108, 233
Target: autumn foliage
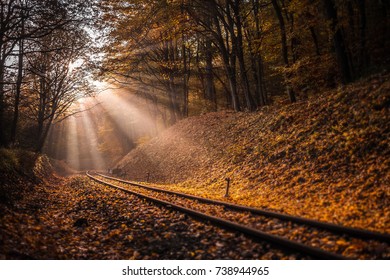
326, 158
198, 56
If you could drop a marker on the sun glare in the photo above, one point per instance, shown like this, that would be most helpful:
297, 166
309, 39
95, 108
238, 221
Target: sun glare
130, 118
76, 64
100, 86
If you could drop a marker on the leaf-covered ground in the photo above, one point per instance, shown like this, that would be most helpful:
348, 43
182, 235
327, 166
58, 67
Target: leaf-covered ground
349, 247
79, 219
327, 158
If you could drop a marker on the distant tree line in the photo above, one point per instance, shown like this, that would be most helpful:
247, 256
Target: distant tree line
197, 56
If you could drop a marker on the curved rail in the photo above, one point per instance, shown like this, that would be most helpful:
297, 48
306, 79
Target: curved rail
258, 234
361, 233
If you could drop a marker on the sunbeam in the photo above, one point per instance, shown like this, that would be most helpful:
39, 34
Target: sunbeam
91, 138
103, 129
72, 151
129, 118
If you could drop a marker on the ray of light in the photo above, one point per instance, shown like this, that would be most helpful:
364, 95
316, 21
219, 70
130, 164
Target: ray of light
91, 138
59, 136
72, 153
127, 116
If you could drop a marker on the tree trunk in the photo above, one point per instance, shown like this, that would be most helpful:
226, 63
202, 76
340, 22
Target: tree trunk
185, 79
198, 65
43, 132
315, 40
40, 135
19, 81
172, 101
338, 42
3, 140
250, 103
257, 59
364, 63
210, 89
294, 41
283, 35
229, 61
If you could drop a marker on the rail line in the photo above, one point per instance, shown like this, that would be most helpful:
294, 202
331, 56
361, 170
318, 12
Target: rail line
251, 221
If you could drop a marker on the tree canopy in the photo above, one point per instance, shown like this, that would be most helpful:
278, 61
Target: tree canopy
241, 54
182, 57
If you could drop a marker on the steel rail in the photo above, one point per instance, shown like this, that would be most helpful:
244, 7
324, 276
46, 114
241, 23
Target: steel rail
258, 234
361, 233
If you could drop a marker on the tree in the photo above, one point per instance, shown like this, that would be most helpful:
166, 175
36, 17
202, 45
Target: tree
338, 41
246, 52
10, 18
283, 35
24, 25
150, 53
54, 84
21, 20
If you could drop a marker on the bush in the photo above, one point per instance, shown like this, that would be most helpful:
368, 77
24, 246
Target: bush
9, 161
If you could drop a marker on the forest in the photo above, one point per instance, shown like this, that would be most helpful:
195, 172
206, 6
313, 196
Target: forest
277, 108
177, 58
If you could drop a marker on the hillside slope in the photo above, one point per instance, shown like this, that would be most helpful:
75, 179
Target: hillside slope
327, 158
20, 170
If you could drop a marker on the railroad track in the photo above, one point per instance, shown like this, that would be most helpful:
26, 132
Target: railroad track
317, 239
